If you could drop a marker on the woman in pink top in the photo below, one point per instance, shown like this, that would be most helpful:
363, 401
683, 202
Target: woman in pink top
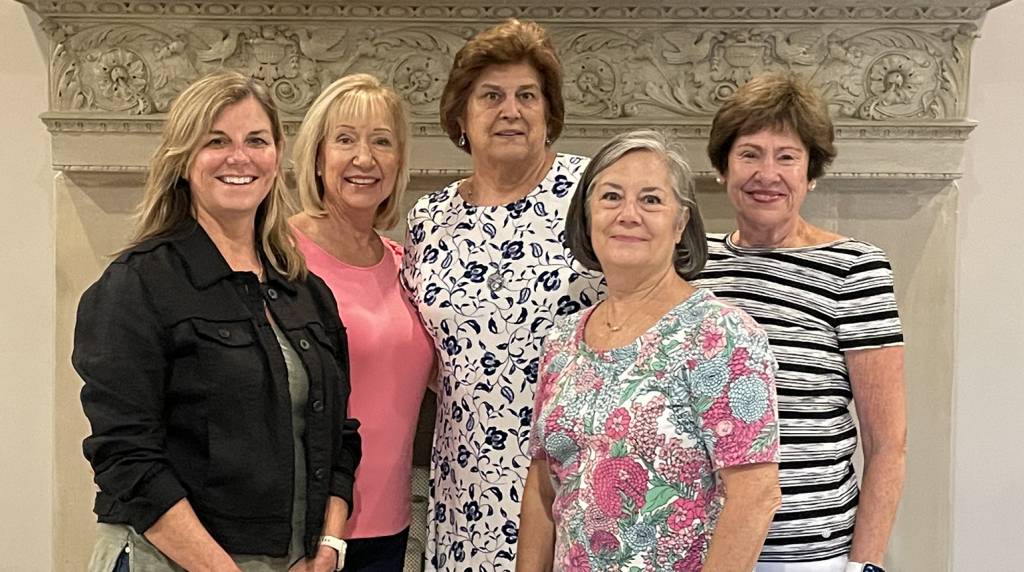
351, 166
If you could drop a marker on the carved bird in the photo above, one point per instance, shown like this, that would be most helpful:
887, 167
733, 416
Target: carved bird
689, 47
322, 44
804, 48
221, 48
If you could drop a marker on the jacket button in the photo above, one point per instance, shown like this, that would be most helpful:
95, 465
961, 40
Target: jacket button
271, 293
224, 333
319, 474
318, 406
304, 344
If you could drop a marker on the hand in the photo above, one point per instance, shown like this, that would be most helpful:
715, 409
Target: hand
325, 560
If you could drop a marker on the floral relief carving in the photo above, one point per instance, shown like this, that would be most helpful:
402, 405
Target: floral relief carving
610, 72
871, 74
139, 69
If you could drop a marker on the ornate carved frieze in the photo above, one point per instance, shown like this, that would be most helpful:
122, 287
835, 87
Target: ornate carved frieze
654, 71
889, 71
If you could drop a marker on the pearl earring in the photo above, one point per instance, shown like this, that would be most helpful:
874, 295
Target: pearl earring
718, 179
812, 185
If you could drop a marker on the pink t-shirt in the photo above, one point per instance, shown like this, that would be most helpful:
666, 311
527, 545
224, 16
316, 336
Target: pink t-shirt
390, 356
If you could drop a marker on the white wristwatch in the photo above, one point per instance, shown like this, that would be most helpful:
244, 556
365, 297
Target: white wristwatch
339, 546
863, 567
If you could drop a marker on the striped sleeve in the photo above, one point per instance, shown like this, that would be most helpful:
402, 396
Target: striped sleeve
867, 313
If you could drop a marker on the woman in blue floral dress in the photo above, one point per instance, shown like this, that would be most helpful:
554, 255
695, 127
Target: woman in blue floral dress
486, 265
655, 440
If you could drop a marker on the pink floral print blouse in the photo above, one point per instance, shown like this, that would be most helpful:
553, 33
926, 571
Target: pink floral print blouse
633, 435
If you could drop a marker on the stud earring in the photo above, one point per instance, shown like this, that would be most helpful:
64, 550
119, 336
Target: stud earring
462, 139
718, 179
547, 141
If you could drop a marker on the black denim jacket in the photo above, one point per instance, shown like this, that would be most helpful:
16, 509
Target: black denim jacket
186, 390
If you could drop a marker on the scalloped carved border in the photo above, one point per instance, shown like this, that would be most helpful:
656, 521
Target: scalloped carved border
530, 9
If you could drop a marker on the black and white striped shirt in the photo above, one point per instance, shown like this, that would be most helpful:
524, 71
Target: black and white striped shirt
815, 303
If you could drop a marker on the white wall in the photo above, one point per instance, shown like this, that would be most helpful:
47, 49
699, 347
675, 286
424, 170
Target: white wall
27, 294
988, 468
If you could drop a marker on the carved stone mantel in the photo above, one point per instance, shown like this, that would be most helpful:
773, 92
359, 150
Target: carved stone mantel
896, 74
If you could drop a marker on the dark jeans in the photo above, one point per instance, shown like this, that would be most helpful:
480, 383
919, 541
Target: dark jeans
379, 554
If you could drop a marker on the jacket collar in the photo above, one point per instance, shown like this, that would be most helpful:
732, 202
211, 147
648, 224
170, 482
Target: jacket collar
205, 264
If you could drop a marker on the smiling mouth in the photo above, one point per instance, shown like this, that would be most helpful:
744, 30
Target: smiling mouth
236, 179
361, 181
765, 196
509, 133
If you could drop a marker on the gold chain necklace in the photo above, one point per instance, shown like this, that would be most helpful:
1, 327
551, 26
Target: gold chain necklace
640, 305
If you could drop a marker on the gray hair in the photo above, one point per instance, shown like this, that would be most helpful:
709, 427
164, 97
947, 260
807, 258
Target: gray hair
691, 252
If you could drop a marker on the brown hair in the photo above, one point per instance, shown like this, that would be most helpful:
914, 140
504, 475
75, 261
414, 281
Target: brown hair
510, 42
352, 95
167, 198
691, 252
774, 101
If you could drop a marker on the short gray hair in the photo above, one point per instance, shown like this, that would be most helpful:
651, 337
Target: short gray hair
691, 252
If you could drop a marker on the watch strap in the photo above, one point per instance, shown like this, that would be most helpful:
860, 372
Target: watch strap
339, 546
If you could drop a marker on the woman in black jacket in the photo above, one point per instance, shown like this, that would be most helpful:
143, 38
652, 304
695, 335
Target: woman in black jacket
215, 366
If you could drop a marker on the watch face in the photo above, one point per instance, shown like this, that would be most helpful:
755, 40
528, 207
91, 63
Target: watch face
873, 568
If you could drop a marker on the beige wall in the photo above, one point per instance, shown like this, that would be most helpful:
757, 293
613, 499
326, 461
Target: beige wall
26, 299
988, 472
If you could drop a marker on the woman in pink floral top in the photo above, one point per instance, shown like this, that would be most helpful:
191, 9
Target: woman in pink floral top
655, 440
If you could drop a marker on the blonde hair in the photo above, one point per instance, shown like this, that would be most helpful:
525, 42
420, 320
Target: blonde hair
167, 198
356, 95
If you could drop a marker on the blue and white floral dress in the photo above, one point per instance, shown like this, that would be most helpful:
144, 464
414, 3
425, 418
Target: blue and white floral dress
488, 282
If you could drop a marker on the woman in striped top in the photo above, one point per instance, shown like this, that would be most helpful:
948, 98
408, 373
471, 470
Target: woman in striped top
828, 306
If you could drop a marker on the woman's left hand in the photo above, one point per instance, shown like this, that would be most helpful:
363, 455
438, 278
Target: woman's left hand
325, 560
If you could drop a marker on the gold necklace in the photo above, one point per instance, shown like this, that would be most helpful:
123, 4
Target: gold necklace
640, 305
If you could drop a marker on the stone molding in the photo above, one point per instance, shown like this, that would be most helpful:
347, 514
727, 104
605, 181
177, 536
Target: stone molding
890, 72
528, 9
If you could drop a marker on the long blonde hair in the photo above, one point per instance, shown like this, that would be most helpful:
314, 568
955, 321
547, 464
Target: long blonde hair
167, 199
352, 95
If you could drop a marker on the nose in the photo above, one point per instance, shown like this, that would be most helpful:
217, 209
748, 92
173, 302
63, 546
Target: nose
363, 156
510, 108
629, 212
768, 170
239, 154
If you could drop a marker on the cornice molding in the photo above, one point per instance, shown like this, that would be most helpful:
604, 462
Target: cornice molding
539, 10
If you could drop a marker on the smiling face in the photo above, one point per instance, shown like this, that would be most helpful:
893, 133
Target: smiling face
635, 218
767, 178
506, 117
359, 161
234, 169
